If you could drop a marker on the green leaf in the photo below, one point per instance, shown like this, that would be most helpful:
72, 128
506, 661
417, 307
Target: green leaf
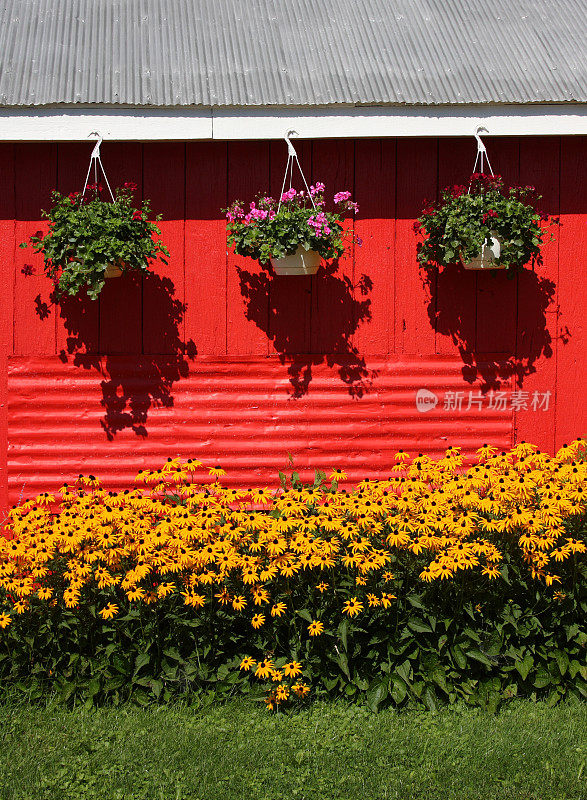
525, 666
430, 699
419, 626
399, 690
343, 630
542, 678
172, 653
141, 660
562, 659
344, 664
477, 655
376, 694
459, 657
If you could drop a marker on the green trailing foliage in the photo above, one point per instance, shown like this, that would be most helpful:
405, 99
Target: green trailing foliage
87, 234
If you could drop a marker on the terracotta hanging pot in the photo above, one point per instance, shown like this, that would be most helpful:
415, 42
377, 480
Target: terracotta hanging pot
302, 262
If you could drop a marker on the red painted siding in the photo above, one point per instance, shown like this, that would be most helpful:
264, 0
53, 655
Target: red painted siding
214, 355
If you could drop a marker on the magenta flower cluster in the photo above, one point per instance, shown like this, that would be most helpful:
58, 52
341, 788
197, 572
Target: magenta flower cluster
270, 228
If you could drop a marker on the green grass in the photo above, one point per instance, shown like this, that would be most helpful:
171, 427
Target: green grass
240, 752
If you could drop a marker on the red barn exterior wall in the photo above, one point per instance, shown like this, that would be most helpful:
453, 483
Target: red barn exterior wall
215, 357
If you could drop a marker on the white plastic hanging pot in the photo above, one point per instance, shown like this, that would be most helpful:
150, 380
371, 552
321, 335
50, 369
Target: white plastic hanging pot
490, 251
302, 262
112, 271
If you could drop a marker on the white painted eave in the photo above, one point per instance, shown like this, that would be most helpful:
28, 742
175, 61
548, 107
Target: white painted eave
68, 123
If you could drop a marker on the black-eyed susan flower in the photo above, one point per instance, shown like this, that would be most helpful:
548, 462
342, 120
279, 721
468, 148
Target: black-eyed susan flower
337, 475
315, 628
292, 669
109, 611
281, 693
216, 472
264, 668
5, 620
491, 571
247, 663
258, 621
278, 610
238, 602
352, 607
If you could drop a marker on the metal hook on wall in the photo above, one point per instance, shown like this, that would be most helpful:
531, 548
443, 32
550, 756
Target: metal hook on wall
96, 150
480, 146
481, 150
291, 151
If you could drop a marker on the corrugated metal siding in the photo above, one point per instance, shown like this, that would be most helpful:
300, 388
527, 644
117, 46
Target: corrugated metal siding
236, 413
299, 52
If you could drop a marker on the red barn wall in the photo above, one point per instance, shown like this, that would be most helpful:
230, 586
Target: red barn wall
213, 356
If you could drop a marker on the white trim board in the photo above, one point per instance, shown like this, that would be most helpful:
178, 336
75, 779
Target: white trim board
67, 123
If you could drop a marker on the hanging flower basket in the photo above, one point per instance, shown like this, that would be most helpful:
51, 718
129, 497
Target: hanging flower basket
489, 256
294, 233
485, 226
302, 262
91, 239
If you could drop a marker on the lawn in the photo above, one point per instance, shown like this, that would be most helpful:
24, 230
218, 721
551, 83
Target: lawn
239, 751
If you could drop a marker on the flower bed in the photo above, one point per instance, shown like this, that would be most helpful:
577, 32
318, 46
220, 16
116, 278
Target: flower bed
434, 586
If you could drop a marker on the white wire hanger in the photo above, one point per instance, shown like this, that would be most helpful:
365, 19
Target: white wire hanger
96, 161
292, 157
481, 151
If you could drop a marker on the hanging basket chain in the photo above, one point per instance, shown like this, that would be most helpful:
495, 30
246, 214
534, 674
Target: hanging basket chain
292, 157
95, 161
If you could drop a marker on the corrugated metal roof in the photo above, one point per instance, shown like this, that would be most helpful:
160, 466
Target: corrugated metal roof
292, 52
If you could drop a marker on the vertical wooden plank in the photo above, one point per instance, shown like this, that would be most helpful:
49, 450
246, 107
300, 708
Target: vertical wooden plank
375, 175
78, 318
247, 320
416, 181
456, 287
121, 298
334, 319
496, 290
290, 298
7, 249
571, 403
205, 247
34, 314
537, 315
164, 288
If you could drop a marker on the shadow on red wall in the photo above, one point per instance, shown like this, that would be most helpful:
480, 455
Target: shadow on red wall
345, 313
133, 385
516, 308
